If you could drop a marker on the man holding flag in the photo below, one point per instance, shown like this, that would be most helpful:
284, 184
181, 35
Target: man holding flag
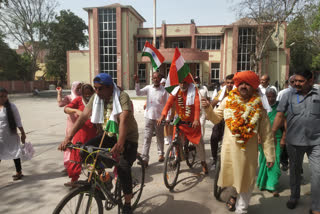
113, 109
186, 98
156, 99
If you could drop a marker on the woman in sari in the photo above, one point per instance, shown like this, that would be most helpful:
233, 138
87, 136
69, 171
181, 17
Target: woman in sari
87, 131
268, 178
71, 118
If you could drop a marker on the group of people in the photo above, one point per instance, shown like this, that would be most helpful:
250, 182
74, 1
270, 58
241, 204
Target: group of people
258, 122
255, 123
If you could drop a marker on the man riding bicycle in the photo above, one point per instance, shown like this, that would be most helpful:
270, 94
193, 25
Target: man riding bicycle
112, 108
186, 98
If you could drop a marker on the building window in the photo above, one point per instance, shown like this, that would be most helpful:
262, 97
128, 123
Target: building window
142, 73
108, 41
215, 72
178, 44
208, 42
246, 47
142, 42
198, 70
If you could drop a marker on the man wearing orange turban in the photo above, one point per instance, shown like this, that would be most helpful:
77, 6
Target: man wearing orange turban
249, 77
239, 152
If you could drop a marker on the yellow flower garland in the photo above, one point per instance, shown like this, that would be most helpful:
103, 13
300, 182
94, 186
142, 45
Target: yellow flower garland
241, 118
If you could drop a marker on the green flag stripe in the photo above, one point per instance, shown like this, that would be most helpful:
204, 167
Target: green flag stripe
154, 64
183, 72
112, 127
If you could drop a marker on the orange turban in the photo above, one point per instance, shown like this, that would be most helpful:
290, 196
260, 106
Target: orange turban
248, 77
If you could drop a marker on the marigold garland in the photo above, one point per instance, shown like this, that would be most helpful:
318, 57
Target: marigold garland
241, 118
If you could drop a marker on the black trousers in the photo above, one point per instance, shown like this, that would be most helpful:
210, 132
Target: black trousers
17, 164
126, 159
284, 158
216, 136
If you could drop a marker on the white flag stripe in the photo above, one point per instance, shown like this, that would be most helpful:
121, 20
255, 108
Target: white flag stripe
168, 82
154, 55
179, 63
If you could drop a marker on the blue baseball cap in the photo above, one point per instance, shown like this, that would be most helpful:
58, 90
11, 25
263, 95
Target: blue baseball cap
103, 78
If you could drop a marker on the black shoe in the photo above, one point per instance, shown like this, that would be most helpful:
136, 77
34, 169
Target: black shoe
292, 203
127, 209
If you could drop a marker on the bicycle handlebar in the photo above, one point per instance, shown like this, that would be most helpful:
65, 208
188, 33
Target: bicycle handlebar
88, 148
163, 122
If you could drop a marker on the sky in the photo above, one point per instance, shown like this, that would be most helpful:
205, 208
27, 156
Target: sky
204, 12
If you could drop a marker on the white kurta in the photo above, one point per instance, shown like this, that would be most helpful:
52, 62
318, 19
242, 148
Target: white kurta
9, 141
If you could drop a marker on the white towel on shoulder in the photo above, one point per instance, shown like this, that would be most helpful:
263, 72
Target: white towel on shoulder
190, 96
97, 110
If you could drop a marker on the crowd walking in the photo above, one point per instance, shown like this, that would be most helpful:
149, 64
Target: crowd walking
258, 127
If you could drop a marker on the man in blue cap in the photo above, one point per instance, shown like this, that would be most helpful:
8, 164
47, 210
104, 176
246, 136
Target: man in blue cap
113, 109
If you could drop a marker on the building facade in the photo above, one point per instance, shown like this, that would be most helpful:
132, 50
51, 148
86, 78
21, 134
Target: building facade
117, 38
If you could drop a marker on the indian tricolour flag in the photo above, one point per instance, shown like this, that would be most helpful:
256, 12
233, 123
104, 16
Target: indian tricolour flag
155, 56
113, 122
179, 72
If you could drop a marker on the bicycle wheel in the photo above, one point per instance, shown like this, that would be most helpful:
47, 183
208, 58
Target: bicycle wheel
190, 153
217, 189
171, 166
137, 173
80, 200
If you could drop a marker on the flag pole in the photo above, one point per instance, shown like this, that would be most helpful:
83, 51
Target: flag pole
95, 160
194, 82
154, 34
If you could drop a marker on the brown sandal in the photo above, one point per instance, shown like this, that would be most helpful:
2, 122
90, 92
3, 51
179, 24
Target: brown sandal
231, 204
17, 176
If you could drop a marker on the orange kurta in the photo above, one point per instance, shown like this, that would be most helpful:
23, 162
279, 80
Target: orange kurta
192, 134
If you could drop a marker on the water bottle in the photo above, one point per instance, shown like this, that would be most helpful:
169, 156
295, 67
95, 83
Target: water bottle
106, 178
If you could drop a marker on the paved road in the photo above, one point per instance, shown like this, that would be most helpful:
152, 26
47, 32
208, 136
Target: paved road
42, 187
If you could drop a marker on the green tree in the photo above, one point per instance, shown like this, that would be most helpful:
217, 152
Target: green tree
67, 33
315, 34
303, 34
267, 16
300, 44
24, 22
12, 65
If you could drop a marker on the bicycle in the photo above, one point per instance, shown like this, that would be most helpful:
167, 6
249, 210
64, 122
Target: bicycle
176, 152
88, 197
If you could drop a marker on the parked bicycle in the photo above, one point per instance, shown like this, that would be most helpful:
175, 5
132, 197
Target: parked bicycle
104, 184
177, 152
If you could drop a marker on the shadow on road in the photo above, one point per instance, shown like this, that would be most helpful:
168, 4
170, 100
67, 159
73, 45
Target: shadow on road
166, 204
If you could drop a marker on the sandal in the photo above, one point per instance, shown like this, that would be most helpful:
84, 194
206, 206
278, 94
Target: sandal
17, 176
231, 204
274, 193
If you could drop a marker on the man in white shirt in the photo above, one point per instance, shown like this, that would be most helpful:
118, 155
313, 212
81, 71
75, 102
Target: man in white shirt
284, 91
156, 100
264, 84
203, 91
